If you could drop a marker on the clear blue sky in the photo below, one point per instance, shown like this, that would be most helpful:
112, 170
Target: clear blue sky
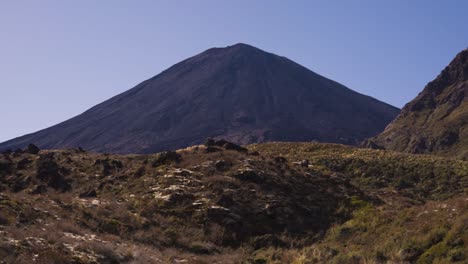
59, 58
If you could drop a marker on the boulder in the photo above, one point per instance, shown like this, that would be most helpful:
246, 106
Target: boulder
226, 201
212, 149
23, 163
221, 165
32, 149
167, 157
117, 164
232, 146
6, 166
225, 144
180, 197
50, 172
221, 142
109, 166
224, 216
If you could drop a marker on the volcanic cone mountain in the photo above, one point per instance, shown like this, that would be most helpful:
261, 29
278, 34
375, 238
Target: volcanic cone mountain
239, 93
437, 119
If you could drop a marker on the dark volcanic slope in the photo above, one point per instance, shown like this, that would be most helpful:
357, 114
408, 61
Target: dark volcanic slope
437, 119
239, 93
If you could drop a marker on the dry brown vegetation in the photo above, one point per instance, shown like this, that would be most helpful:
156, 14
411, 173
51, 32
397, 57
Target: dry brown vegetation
289, 203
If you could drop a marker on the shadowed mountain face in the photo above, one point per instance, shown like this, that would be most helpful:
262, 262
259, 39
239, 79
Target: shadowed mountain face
239, 93
437, 119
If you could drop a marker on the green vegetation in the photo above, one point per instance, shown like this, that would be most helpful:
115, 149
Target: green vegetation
417, 176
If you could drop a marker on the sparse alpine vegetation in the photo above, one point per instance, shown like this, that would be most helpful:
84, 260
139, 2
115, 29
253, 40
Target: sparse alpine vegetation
223, 203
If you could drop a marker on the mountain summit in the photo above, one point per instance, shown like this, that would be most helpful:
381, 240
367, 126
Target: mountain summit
436, 120
239, 93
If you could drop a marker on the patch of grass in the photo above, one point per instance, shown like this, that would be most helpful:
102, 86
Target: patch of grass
418, 176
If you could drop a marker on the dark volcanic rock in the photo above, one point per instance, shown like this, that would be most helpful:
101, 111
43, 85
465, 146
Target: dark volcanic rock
6, 166
50, 172
211, 145
32, 149
232, 146
21, 183
39, 189
167, 158
23, 163
109, 166
239, 93
222, 165
211, 149
280, 159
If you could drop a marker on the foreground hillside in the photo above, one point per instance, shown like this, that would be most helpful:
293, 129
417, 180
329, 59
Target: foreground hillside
221, 203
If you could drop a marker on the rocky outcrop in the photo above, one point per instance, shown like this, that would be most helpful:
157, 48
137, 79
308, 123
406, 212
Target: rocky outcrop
167, 157
51, 173
32, 149
436, 121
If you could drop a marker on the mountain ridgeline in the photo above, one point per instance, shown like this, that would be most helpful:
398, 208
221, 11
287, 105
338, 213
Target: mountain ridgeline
436, 121
239, 93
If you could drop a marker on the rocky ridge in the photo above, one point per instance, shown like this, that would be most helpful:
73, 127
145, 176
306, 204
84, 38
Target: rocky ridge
436, 121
